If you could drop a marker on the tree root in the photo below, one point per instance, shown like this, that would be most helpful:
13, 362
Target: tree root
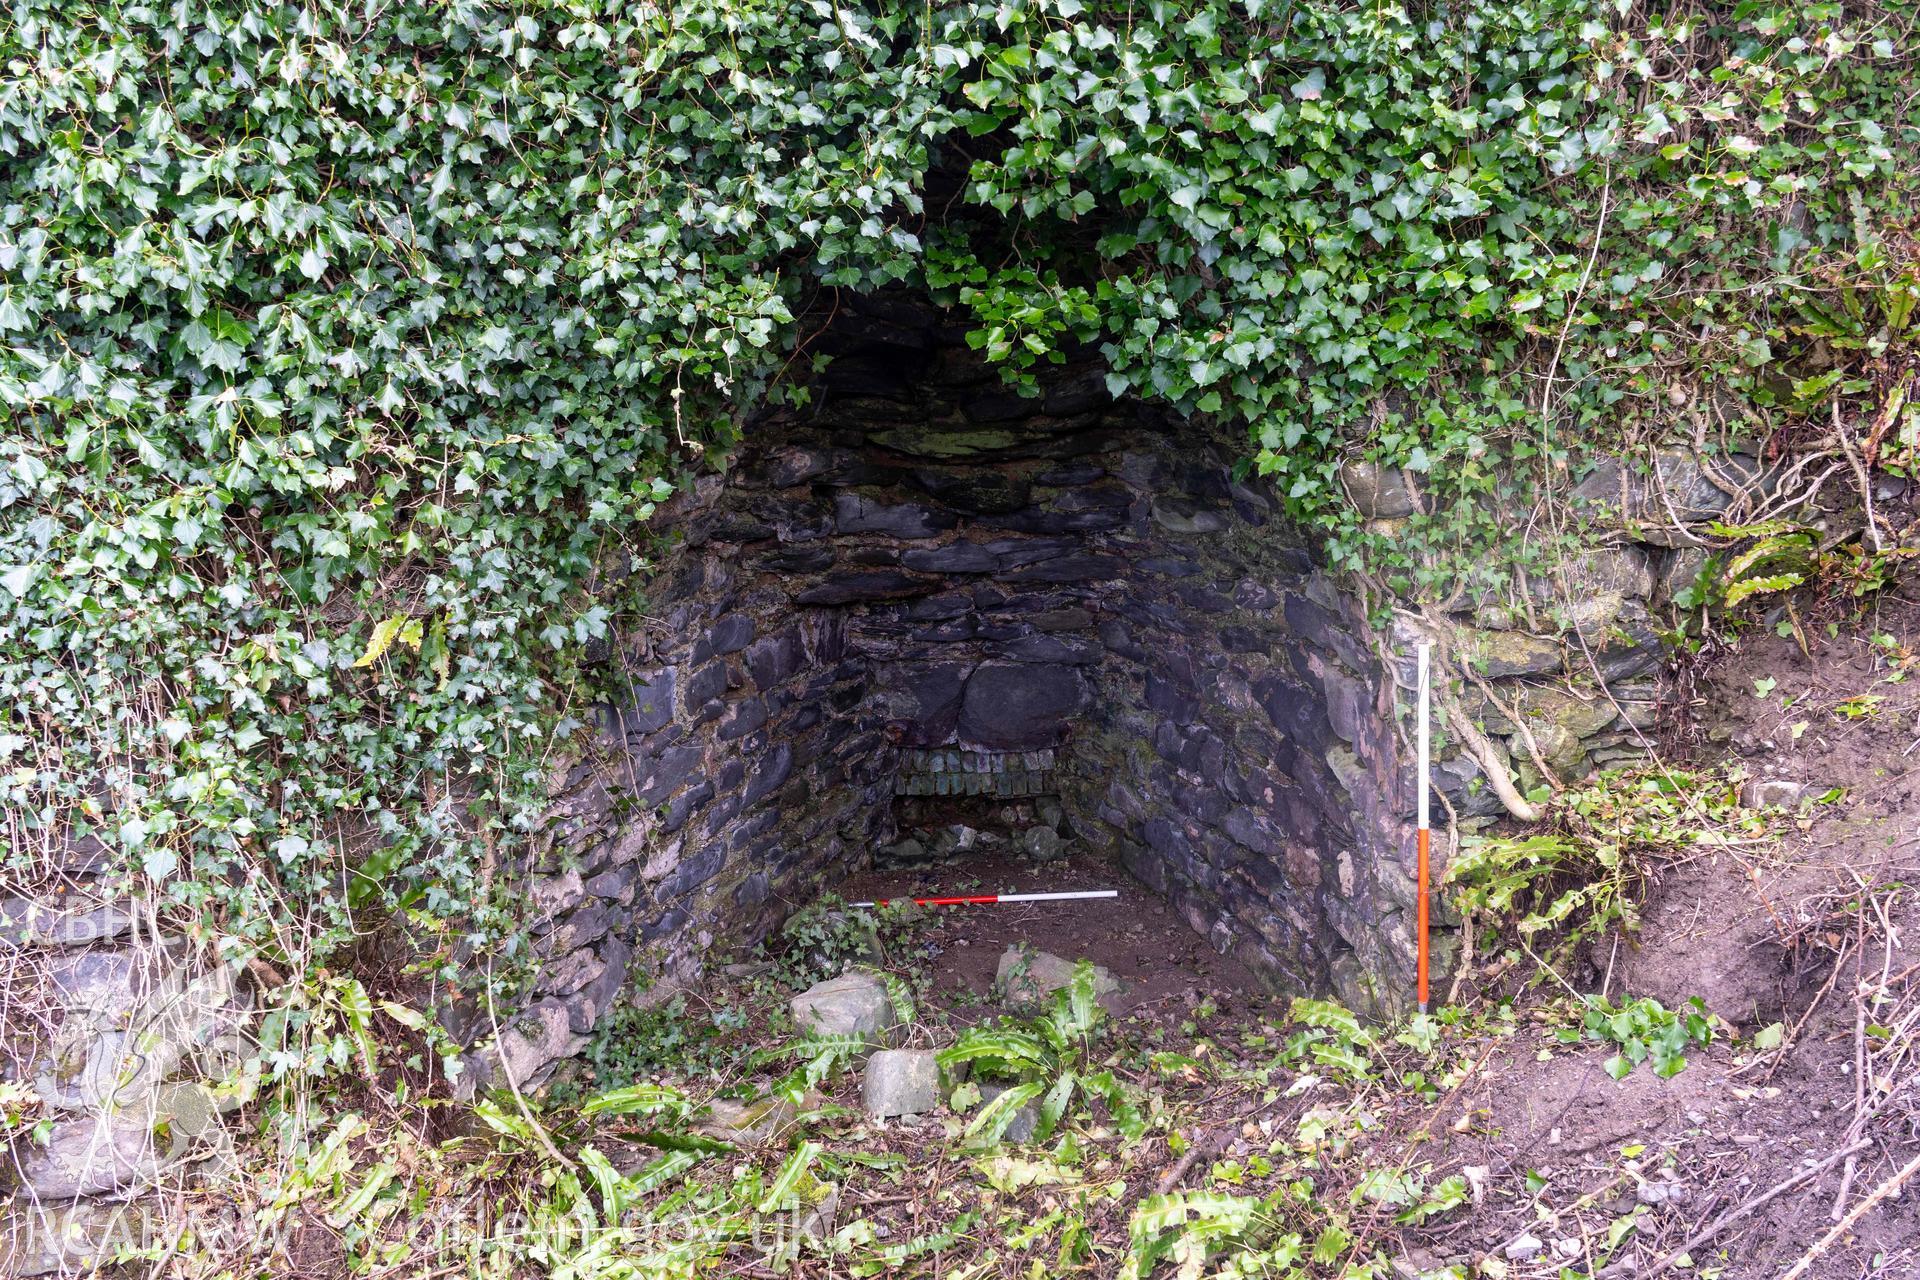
1489, 759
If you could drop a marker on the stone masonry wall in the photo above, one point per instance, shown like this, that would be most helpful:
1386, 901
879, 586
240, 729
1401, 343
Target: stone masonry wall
923, 562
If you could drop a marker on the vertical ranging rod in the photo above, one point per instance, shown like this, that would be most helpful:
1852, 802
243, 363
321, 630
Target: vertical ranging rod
1423, 837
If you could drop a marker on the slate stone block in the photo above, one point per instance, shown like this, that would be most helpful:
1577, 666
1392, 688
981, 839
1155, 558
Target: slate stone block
1016, 706
853, 1004
747, 715
854, 513
775, 659
728, 634
769, 772
692, 873
855, 586
954, 557
669, 771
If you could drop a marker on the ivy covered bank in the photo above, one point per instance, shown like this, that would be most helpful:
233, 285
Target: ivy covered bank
345, 350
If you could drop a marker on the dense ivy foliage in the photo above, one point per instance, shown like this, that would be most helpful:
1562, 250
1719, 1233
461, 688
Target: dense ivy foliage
1452, 240
345, 349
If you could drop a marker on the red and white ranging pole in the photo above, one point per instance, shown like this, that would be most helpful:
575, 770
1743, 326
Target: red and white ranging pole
994, 899
1423, 837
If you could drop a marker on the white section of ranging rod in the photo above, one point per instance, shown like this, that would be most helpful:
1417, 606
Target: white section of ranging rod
1425, 713
994, 899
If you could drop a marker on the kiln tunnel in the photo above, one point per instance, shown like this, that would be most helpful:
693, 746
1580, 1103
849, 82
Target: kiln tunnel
925, 615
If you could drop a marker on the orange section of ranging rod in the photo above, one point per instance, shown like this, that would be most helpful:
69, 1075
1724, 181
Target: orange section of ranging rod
1421, 845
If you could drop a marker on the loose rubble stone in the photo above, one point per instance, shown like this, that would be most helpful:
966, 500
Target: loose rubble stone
1525, 1249
906, 853
1660, 1193
1031, 977
1025, 1120
820, 1217
853, 1004
1761, 793
755, 1124
901, 1082
1043, 844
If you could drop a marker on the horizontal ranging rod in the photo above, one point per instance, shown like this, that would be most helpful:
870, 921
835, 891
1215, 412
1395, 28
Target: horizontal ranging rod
991, 899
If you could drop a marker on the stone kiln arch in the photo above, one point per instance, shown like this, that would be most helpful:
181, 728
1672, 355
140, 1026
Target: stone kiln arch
926, 582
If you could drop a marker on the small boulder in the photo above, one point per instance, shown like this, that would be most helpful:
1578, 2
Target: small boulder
853, 1004
1024, 1120
1031, 977
1763, 793
958, 838
1378, 492
753, 1124
92, 1155
1657, 1193
69, 921
908, 852
1043, 844
902, 1082
1525, 1248
818, 1223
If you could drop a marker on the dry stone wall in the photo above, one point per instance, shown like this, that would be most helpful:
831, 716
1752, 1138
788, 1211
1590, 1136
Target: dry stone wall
123, 1041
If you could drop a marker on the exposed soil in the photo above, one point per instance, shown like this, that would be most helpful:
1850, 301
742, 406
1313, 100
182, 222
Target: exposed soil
1778, 933
1164, 966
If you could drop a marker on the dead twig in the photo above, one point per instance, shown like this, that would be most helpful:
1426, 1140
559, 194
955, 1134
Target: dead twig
1859, 1066
1207, 1145
1746, 1207
1890, 1187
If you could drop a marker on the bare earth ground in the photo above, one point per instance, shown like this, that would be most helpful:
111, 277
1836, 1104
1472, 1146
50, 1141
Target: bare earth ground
1167, 968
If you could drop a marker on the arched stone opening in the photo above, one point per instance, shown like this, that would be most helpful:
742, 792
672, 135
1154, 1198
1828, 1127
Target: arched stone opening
923, 591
